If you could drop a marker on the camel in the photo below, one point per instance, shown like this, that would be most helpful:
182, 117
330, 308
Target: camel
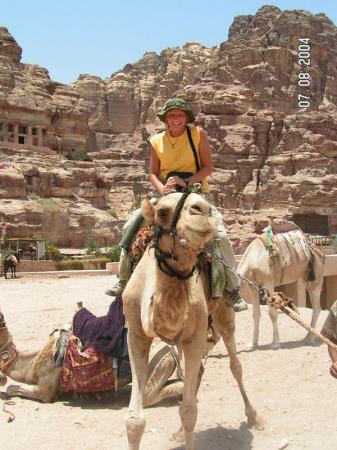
40, 380
10, 262
166, 298
255, 266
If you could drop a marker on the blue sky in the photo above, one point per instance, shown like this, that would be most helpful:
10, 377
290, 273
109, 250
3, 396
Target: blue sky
99, 37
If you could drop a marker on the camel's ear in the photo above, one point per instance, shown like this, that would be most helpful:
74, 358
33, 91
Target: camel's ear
147, 209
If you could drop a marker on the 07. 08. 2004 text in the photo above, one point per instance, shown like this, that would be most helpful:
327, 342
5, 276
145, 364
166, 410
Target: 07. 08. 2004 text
304, 61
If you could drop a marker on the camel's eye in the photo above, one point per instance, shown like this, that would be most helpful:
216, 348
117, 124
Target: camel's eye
163, 212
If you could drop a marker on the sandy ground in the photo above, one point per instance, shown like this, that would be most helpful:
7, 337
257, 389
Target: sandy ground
291, 388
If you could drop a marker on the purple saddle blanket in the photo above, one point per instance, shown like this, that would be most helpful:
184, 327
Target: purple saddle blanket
103, 333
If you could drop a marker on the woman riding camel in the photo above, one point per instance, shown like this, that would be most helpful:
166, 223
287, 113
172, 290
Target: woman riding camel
180, 157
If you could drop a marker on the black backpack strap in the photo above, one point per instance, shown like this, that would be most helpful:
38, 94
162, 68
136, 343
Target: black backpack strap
189, 134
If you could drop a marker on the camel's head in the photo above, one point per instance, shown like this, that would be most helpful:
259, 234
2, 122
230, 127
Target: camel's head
4, 340
195, 225
2, 320
3, 328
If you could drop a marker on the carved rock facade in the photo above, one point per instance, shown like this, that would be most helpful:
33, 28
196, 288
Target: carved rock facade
273, 159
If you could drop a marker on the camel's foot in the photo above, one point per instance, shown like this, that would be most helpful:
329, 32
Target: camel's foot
275, 345
310, 339
252, 344
255, 421
135, 425
15, 390
178, 436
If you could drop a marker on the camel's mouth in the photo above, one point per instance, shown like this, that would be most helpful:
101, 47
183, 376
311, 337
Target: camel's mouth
202, 227
200, 232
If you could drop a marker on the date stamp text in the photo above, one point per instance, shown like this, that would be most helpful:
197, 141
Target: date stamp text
303, 81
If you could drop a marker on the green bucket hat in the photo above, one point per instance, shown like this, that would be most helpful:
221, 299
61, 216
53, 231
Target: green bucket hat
178, 103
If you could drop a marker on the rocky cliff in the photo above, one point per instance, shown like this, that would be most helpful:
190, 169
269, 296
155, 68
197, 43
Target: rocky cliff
267, 98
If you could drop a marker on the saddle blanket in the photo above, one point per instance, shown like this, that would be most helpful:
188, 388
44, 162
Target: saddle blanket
289, 248
85, 370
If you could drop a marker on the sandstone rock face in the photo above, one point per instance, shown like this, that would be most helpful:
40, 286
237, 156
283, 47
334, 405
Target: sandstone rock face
273, 157
65, 202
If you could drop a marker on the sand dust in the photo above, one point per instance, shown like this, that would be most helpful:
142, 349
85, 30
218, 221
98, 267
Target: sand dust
291, 388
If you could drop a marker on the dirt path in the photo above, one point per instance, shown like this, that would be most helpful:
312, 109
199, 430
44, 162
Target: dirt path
291, 387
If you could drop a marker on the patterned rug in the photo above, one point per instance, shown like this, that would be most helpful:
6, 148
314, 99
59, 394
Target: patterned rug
85, 370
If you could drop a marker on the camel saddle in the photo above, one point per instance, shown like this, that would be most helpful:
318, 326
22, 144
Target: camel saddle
87, 371
286, 247
95, 354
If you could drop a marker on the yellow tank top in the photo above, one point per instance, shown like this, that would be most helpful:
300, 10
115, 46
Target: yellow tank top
176, 154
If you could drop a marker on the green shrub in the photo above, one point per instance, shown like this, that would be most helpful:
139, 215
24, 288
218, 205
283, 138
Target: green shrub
92, 248
69, 264
54, 253
78, 155
114, 253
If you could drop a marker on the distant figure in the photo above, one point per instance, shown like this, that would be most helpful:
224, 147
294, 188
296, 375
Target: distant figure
329, 330
10, 262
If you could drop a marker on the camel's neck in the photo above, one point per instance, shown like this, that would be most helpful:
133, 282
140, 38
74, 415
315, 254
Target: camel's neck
19, 366
182, 263
170, 306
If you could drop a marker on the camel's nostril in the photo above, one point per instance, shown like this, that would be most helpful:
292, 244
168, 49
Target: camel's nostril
200, 208
196, 209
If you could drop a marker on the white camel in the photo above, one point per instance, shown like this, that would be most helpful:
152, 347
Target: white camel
255, 266
165, 297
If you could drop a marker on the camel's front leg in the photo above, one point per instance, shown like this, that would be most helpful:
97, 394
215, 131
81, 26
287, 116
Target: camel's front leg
315, 298
24, 390
256, 317
157, 387
193, 353
135, 421
225, 325
273, 314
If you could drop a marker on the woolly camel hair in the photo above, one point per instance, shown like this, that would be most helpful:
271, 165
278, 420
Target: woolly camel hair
40, 380
175, 309
255, 266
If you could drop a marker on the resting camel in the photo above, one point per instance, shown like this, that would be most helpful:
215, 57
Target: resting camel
40, 380
165, 297
255, 266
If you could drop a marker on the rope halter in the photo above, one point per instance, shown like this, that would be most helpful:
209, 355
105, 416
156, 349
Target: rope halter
163, 257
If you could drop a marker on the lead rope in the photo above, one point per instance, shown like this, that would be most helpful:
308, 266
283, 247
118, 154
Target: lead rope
11, 415
263, 292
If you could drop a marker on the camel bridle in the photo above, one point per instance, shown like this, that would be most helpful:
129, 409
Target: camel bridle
2, 323
8, 352
163, 257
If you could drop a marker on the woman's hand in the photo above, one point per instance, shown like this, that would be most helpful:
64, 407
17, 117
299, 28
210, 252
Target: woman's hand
171, 184
333, 369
